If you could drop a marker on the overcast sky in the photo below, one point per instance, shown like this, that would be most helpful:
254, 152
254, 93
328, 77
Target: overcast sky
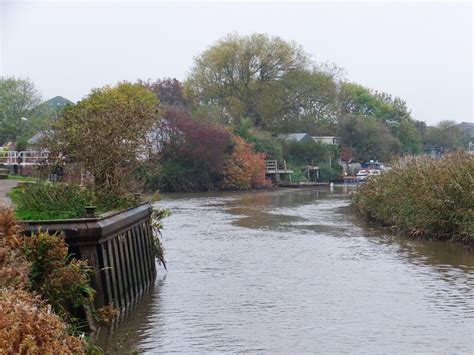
421, 52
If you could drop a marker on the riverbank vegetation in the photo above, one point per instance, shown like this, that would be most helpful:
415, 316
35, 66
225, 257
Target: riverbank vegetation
43, 292
423, 198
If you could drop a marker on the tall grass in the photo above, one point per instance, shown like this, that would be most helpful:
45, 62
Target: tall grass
41, 201
46, 201
423, 198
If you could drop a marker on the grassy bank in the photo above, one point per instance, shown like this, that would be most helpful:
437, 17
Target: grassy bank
424, 198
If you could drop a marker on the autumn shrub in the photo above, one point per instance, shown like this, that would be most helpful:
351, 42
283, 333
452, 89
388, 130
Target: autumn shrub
244, 168
37, 278
199, 155
62, 280
191, 154
27, 326
423, 197
14, 268
107, 314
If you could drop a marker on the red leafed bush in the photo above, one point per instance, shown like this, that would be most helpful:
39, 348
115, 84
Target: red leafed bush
191, 154
204, 143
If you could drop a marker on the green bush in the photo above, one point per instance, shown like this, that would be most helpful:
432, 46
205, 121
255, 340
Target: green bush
175, 175
329, 173
264, 142
424, 198
308, 152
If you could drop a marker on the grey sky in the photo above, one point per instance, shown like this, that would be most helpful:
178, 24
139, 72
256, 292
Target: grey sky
421, 52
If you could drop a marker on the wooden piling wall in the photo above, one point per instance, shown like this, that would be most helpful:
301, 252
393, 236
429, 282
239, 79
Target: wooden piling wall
119, 248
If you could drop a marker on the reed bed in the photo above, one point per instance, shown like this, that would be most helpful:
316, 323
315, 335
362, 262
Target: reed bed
423, 198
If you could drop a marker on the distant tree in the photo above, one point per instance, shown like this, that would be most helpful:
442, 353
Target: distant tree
356, 100
43, 116
262, 78
309, 152
107, 134
169, 91
263, 141
17, 98
302, 101
408, 136
368, 138
446, 134
421, 128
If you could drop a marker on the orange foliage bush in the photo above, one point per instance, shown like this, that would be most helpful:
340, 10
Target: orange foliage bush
27, 326
244, 169
14, 268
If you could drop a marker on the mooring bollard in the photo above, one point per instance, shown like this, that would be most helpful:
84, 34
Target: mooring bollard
90, 211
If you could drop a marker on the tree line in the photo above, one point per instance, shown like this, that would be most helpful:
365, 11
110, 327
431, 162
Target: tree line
240, 94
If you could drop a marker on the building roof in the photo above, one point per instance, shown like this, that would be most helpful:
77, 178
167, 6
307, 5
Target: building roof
298, 137
37, 138
58, 101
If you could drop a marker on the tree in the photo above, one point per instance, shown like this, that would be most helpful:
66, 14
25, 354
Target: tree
259, 77
17, 98
302, 101
368, 138
309, 152
392, 112
409, 137
446, 134
169, 91
107, 134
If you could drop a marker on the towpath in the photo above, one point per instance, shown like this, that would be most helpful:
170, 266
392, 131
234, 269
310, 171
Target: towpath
5, 187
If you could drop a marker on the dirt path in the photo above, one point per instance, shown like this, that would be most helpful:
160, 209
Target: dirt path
5, 187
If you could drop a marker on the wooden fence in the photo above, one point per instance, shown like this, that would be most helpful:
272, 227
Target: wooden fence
119, 248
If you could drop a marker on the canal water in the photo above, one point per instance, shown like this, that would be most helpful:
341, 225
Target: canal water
293, 271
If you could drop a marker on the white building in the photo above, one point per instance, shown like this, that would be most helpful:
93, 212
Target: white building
327, 140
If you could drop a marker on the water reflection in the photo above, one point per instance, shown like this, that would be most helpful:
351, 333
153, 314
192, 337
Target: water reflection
132, 326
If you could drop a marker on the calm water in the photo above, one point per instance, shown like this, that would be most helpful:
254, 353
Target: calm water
292, 271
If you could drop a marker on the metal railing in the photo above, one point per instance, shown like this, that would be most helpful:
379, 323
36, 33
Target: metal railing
26, 157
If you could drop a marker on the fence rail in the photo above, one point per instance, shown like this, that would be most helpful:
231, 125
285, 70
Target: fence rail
26, 157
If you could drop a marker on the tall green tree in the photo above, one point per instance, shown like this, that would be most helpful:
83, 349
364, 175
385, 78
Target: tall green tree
392, 112
368, 138
266, 79
17, 98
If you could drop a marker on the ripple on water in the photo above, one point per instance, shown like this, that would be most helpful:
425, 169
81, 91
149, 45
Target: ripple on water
290, 271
